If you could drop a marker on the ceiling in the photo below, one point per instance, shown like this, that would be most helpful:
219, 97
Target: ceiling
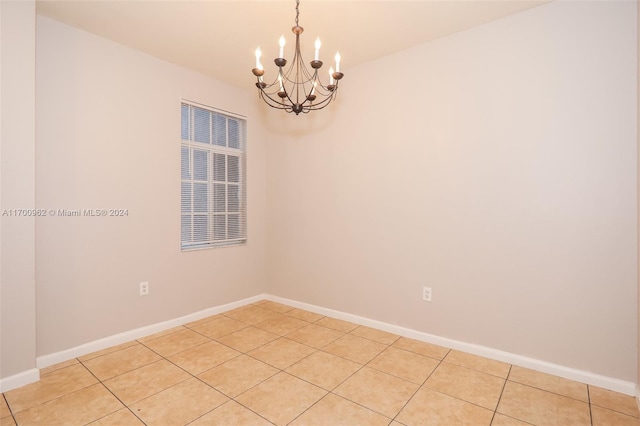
218, 38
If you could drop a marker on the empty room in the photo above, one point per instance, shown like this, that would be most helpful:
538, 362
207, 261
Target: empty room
319, 212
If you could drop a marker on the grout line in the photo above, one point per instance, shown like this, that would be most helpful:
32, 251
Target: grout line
312, 405
133, 343
189, 373
591, 404
362, 366
254, 412
111, 392
308, 408
246, 353
504, 385
13, 416
590, 407
315, 350
52, 399
417, 390
552, 392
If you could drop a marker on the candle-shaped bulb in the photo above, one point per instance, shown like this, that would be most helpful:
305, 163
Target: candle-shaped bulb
282, 43
338, 62
318, 44
258, 54
331, 75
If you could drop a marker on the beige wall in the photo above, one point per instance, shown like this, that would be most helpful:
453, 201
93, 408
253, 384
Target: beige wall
497, 166
17, 178
108, 137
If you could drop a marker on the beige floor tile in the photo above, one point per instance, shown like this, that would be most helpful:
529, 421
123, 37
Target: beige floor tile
219, 327
179, 404
474, 362
429, 407
404, 364
116, 363
202, 321
502, 420
536, 406
282, 324
107, 350
305, 315
604, 417
53, 385
145, 381
324, 370
80, 407
337, 324
122, 417
614, 401
275, 306
355, 348
281, 353
58, 366
4, 408
238, 375
247, 339
281, 398
378, 391
176, 342
359, 375
315, 335
161, 334
375, 335
7, 421
251, 314
336, 411
231, 414
549, 383
235, 311
422, 348
202, 358
469, 385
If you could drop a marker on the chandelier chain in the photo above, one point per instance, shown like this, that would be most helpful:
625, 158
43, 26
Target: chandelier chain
297, 11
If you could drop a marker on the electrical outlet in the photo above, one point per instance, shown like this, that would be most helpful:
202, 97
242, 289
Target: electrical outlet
426, 294
144, 288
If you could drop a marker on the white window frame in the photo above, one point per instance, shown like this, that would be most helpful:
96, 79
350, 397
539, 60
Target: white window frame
190, 237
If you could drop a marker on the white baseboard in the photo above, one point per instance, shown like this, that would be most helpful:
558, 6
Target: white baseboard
617, 385
20, 379
127, 336
628, 388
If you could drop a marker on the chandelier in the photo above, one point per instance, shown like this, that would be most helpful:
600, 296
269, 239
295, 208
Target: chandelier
297, 89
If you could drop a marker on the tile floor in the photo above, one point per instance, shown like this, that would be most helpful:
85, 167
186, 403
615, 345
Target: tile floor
268, 363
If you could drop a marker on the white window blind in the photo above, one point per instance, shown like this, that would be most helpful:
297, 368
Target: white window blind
213, 191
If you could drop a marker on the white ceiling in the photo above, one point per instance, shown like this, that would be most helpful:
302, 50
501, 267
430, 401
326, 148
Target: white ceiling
218, 38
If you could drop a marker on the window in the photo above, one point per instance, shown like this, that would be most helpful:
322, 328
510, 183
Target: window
213, 191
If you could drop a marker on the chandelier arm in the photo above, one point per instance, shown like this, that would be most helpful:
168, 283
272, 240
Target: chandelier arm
316, 107
273, 102
329, 96
321, 104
